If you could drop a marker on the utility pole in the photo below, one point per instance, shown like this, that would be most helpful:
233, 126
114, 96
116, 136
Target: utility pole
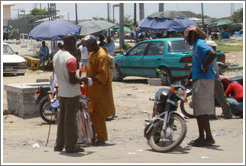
161, 7
121, 25
108, 11
203, 26
141, 11
76, 14
115, 5
135, 14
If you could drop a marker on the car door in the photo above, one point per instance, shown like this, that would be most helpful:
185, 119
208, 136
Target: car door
153, 58
134, 59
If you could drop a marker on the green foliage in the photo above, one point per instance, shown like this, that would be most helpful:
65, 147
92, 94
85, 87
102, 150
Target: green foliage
12, 32
237, 16
37, 11
128, 21
103, 19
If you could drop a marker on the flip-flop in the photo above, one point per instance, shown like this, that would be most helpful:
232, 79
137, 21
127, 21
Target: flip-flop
76, 150
198, 143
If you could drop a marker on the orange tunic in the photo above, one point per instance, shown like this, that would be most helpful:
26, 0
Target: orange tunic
101, 94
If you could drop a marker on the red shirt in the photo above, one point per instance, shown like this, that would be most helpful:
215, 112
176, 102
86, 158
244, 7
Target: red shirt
235, 89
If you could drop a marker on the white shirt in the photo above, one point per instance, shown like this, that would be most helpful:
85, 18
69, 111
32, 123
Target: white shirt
66, 89
84, 52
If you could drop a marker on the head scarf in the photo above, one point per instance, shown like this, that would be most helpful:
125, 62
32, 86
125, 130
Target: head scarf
197, 31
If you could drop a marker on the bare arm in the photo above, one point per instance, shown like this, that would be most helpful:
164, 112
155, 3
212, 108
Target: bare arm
211, 55
77, 80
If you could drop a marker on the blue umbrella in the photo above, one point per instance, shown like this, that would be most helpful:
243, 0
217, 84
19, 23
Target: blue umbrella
54, 30
162, 24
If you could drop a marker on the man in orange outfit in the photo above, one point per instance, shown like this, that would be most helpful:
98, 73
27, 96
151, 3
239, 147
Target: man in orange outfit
100, 93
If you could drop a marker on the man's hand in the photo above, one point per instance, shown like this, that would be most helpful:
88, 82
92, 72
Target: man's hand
85, 80
204, 69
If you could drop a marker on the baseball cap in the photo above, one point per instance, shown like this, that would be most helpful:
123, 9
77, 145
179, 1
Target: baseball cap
89, 40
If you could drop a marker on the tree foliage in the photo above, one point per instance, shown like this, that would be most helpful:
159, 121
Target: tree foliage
37, 11
237, 16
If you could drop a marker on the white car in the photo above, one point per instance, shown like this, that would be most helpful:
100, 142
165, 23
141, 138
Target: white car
12, 63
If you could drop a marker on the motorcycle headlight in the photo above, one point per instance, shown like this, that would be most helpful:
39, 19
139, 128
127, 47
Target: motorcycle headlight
181, 94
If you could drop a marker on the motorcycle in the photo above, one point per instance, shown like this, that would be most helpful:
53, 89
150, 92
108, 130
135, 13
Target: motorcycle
47, 101
167, 128
186, 108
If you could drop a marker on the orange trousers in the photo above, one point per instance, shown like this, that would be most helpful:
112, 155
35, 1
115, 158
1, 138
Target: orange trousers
99, 125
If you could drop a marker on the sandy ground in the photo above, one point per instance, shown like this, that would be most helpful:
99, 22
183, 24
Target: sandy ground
126, 142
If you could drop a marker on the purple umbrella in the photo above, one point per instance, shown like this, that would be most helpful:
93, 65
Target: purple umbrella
54, 30
161, 24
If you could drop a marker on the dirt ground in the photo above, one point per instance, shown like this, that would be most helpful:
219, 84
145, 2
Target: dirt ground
126, 142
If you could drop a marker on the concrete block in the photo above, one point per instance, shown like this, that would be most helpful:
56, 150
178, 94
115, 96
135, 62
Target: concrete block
154, 81
20, 99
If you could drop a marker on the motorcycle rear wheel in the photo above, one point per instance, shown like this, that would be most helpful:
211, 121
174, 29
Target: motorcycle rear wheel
173, 139
45, 111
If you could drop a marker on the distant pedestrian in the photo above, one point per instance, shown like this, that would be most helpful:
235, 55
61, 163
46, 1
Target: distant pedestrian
219, 93
110, 46
43, 53
203, 83
84, 57
234, 94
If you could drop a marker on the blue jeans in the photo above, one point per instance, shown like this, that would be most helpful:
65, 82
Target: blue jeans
42, 58
236, 107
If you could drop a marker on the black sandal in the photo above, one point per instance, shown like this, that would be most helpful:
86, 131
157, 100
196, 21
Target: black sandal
198, 143
76, 150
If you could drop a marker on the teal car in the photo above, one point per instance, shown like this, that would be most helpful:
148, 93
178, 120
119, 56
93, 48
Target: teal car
171, 55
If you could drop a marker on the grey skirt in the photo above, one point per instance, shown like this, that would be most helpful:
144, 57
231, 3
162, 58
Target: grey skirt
203, 97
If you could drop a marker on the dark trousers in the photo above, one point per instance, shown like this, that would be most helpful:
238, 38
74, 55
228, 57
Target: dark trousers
220, 97
67, 132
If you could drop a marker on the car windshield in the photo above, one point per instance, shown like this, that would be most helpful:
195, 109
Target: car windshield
179, 46
7, 50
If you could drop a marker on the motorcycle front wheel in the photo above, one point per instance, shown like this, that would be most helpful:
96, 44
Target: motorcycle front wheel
173, 135
45, 111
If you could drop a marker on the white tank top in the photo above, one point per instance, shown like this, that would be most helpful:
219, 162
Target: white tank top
66, 89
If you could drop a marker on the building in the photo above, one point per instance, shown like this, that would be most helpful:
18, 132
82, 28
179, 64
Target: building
7, 12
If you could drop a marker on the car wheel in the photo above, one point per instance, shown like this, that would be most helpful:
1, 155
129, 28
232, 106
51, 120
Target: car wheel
117, 76
166, 80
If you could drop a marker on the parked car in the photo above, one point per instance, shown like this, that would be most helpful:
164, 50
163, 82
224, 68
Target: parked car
12, 62
171, 55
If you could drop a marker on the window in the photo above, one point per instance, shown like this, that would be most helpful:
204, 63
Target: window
7, 50
178, 46
138, 50
156, 48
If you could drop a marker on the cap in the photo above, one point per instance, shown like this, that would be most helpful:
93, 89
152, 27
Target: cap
211, 43
89, 40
